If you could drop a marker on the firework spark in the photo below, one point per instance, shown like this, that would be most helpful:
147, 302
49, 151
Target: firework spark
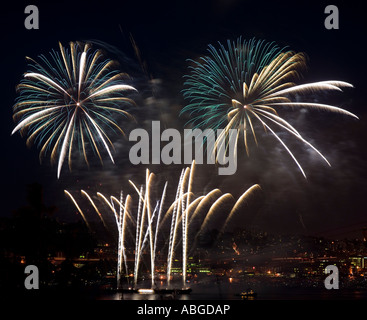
232, 87
71, 97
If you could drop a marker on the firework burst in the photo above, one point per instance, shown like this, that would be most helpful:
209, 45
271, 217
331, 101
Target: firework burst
71, 99
248, 81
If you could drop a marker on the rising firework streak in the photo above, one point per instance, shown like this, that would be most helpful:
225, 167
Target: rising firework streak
149, 218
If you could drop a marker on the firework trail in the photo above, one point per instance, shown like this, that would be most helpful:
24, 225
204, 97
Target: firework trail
71, 98
76, 205
95, 207
149, 224
215, 206
238, 206
248, 81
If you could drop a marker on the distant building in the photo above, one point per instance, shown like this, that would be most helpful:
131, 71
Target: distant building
358, 263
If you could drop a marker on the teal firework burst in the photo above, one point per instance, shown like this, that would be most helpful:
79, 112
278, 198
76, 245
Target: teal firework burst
245, 82
71, 99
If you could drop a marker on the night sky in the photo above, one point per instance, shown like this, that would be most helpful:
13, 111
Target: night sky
331, 202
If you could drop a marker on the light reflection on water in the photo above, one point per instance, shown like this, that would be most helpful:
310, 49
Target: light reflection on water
229, 291
139, 296
222, 291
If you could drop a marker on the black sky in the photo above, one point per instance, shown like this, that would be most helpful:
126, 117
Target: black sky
332, 201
